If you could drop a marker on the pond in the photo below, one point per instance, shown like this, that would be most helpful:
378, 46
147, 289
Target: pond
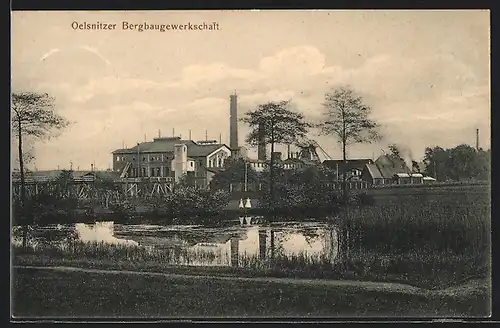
201, 245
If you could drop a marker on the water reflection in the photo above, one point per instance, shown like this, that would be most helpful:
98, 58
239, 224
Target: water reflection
211, 246
100, 232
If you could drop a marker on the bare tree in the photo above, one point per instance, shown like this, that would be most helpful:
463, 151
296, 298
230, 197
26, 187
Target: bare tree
276, 123
33, 115
347, 119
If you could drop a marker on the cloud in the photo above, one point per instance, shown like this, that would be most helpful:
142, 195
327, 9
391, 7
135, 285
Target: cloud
411, 97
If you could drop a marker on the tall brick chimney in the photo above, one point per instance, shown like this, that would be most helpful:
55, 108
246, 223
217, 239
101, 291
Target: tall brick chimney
233, 122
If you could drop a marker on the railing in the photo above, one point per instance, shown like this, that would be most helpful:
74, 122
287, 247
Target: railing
125, 170
148, 179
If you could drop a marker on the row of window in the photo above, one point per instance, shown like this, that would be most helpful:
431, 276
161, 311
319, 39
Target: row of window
153, 172
144, 158
216, 162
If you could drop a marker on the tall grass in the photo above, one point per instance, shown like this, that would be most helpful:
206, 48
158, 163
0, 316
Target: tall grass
444, 228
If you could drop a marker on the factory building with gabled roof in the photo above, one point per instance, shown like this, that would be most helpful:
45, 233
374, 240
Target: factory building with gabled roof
171, 158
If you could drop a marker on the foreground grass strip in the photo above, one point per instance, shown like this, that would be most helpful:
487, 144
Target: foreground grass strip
63, 292
439, 280
387, 287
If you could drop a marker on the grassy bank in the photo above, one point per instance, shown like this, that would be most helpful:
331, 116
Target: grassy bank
428, 271
39, 293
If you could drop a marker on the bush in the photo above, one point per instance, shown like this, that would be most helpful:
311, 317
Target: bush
189, 201
361, 198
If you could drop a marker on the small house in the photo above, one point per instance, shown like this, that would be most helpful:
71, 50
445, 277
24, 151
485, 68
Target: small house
387, 170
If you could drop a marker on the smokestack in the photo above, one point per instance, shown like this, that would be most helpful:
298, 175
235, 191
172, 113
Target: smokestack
206, 135
288, 151
261, 150
159, 133
190, 135
477, 139
233, 121
220, 139
173, 132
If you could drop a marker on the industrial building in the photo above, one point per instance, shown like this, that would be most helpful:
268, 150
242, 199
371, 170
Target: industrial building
170, 159
352, 167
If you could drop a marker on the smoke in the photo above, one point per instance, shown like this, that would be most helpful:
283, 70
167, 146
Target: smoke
406, 155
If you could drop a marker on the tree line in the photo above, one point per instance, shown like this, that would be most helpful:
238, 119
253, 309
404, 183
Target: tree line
459, 163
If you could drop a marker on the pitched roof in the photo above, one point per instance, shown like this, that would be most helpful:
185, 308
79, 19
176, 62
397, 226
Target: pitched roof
162, 145
196, 150
374, 171
389, 166
351, 163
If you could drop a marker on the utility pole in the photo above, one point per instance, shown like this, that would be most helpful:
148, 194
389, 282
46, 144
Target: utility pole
246, 175
138, 162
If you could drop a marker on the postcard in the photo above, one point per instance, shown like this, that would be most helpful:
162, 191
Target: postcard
250, 164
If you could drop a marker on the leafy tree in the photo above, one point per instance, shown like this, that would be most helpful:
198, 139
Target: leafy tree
463, 162
234, 172
436, 163
279, 125
458, 163
395, 153
483, 164
347, 118
33, 115
415, 168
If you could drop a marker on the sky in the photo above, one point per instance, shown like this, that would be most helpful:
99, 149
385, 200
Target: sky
425, 74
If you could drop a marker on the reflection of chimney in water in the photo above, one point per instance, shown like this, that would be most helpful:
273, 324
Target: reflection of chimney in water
262, 244
330, 244
273, 246
234, 251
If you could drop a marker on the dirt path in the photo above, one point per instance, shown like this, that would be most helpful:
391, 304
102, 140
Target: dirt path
468, 289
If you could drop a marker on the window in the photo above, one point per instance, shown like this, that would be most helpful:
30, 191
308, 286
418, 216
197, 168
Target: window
158, 172
144, 172
152, 172
133, 158
144, 159
192, 164
117, 158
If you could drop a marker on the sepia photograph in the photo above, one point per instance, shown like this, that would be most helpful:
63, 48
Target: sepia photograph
250, 164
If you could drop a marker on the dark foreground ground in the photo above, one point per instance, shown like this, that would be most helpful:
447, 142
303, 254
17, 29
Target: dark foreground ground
67, 293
